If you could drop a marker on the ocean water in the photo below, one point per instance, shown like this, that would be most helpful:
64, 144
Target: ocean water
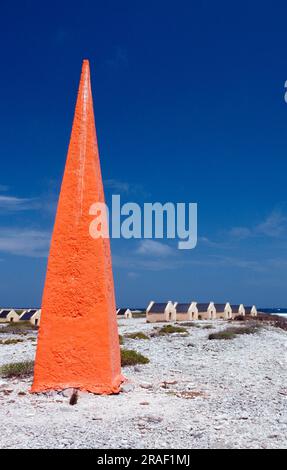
282, 312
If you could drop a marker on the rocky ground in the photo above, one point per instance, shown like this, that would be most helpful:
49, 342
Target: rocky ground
194, 393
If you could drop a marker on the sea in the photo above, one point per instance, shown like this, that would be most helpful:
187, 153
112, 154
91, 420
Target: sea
282, 312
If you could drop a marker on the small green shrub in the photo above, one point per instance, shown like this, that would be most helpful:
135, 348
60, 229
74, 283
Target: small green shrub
17, 369
20, 325
265, 319
195, 325
231, 333
137, 335
19, 328
238, 318
11, 341
121, 339
207, 327
131, 358
169, 329
222, 335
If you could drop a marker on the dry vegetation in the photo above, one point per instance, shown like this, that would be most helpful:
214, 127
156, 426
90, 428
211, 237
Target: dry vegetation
130, 357
189, 394
170, 329
121, 339
17, 369
137, 335
272, 320
18, 328
232, 332
186, 323
11, 341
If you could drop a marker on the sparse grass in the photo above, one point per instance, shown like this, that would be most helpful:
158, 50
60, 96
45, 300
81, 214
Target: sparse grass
139, 314
237, 318
207, 327
121, 339
20, 325
130, 357
188, 324
265, 319
17, 369
195, 325
190, 394
169, 329
137, 335
18, 328
11, 341
222, 335
232, 332
280, 323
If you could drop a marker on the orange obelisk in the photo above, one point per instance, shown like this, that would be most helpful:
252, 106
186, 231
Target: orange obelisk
78, 344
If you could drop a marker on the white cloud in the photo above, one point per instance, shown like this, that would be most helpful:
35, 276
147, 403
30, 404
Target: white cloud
45, 202
210, 243
116, 185
133, 275
11, 203
24, 242
229, 261
130, 262
274, 226
154, 248
123, 187
150, 255
240, 232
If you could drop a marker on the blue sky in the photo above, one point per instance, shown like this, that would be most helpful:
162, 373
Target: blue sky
189, 106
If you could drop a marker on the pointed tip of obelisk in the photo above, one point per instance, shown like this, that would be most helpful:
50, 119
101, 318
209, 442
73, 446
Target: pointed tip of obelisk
84, 86
86, 64
85, 75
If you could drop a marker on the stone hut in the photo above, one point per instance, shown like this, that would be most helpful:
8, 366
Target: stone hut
160, 312
186, 311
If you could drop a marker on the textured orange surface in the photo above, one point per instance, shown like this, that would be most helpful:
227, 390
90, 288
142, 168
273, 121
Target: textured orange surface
78, 343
